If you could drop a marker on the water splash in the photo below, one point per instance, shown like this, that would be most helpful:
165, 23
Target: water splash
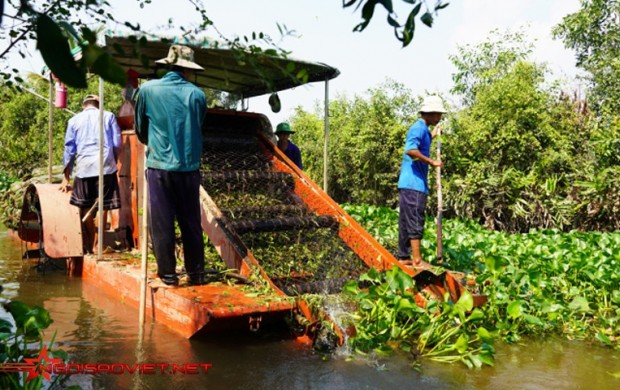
339, 310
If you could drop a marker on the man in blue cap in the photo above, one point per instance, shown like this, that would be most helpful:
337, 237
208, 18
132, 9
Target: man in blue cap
283, 131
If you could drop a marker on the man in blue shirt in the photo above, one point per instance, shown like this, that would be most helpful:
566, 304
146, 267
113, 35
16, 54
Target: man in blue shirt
82, 150
169, 116
413, 181
283, 131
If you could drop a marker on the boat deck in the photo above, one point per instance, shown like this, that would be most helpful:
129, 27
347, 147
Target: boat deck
187, 310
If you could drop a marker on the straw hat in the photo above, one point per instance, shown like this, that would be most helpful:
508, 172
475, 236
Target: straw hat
90, 98
182, 56
433, 104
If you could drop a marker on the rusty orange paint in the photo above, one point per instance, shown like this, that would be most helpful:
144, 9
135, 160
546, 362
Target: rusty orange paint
305, 340
61, 226
185, 310
131, 174
360, 241
228, 244
188, 310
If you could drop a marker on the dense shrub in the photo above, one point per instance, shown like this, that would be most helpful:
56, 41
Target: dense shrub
366, 139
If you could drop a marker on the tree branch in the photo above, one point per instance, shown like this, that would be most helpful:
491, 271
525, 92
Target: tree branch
26, 31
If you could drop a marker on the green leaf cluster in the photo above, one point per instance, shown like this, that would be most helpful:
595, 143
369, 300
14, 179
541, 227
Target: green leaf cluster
593, 33
524, 154
380, 221
21, 336
540, 282
365, 143
388, 318
405, 32
5, 181
479, 65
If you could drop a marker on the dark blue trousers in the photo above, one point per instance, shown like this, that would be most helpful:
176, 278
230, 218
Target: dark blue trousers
412, 205
175, 194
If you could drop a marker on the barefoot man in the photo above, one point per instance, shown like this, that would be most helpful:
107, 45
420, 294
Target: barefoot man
413, 181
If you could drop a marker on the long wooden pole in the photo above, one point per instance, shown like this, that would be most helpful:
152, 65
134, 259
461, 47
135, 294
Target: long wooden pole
326, 137
50, 137
145, 249
439, 201
100, 195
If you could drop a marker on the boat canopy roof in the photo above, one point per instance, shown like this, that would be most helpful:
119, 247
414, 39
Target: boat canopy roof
241, 73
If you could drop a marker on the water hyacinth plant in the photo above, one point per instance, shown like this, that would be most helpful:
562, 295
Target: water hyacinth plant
21, 336
388, 318
541, 282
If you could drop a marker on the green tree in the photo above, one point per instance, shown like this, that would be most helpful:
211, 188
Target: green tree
481, 64
516, 147
594, 33
365, 146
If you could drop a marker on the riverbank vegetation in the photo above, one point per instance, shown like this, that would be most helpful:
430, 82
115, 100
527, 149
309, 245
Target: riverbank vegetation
520, 150
531, 194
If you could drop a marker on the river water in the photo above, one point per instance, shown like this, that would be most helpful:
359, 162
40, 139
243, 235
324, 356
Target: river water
95, 328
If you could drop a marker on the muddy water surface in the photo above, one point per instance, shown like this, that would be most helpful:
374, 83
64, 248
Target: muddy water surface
95, 328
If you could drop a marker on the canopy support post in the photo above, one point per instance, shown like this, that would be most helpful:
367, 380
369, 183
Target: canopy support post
50, 137
326, 136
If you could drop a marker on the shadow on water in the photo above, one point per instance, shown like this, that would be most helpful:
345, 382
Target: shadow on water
96, 328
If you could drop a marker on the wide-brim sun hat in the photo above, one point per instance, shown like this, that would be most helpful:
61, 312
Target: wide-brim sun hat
433, 104
284, 128
182, 56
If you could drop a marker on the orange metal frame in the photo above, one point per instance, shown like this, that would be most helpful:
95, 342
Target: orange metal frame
186, 311
360, 241
176, 307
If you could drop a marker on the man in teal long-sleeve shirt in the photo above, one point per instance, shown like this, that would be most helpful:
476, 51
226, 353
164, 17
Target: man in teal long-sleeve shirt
169, 116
